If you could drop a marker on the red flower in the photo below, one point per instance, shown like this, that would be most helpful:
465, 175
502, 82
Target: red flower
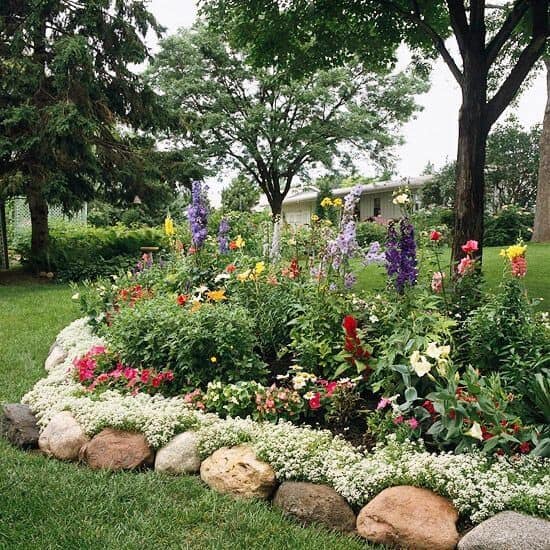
330, 387
315, 402
435, 235
294, 269
524, 447
233, 245
231, 267
470, 246
350, 325
145, 374
519, 266
398, 419
485, 433
429, 406
157, 380
452, 414
182, 299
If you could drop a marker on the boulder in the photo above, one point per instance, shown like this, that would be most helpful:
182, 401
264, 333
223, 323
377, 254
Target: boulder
409, 517
18, 425
63, 437
312, 503
180, 455
508, 531
117, 450
56, 356
238, 471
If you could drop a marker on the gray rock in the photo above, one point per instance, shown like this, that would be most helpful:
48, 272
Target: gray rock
63, 437
18, 425
312, 503
180, 455
56, 356
508, 531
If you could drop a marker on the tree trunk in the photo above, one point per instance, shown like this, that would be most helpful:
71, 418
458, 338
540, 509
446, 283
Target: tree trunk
472, 139
541, 228
276, 216
39, 220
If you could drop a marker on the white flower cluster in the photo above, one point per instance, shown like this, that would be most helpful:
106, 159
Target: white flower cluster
478, 486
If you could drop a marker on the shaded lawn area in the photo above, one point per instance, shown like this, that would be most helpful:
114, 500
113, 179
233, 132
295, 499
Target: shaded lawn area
48, 504
537, 280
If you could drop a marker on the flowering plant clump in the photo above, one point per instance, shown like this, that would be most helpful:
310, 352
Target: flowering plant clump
100, 370
401, 263
198, 214
516, 255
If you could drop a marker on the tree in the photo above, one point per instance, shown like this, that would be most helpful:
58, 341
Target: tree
510, 173
273, 127
65, 87
541, 228
323, 33
241, 195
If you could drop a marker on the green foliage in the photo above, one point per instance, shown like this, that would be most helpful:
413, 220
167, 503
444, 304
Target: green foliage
215, 342
368, 232
230, 104
79, 252
241, 195
504, 336
508, 225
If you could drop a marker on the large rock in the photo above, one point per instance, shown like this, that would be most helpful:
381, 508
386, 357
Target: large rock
180, 455
117, 450
508, 531
56, 356
63, 437
18, 425
409, 517
311, 503
238, 471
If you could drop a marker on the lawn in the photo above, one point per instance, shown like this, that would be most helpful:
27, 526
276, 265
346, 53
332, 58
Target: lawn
537, 280
48, 504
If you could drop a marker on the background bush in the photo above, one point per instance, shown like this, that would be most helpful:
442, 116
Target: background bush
82, 252
507, 226
368, 232
215, 342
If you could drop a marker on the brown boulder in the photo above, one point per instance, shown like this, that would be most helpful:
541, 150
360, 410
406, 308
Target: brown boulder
312, 503
117, 450
238, 471
409, 517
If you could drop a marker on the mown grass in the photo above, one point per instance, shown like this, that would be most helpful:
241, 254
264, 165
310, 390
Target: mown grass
48, 504
537, 280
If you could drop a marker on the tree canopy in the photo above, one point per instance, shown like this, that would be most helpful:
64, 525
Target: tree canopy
270, 126
241, 195
65, 86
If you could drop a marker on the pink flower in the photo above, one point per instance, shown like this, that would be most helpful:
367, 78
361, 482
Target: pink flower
470, 246
315, 401
97, 350
398, 419
383, 403
413, 423
465, 265
519, 266
437, 281
330, 387
144, 377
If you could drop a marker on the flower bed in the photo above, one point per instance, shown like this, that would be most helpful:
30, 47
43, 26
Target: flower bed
478, 486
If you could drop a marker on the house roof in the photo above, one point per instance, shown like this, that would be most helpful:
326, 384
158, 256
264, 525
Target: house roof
365, 189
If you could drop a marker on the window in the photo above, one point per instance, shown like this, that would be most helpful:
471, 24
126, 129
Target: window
377, 207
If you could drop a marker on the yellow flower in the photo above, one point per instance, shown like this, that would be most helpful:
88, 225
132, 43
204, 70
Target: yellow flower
337, 202
213, 359
259, 268
239, 242
243, 276
216, 295
196, 305
514, 251
326, 202
169, 226
315, 218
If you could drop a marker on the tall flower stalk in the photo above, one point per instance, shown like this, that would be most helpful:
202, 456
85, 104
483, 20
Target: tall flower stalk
198, 214
401, 263
223, 236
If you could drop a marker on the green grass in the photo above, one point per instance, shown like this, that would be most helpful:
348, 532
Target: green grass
48, 504
537, 280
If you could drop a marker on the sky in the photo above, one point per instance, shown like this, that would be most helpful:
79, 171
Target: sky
431, 137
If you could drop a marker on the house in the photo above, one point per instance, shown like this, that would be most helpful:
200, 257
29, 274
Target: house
376, 200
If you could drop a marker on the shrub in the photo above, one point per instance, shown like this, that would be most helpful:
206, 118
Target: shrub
510, 224
368, 232
214, 342
80, 252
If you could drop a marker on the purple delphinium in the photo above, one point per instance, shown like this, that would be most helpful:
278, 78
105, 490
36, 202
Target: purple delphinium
401, 255
374, 255
223, 236
345, 244
198, 213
